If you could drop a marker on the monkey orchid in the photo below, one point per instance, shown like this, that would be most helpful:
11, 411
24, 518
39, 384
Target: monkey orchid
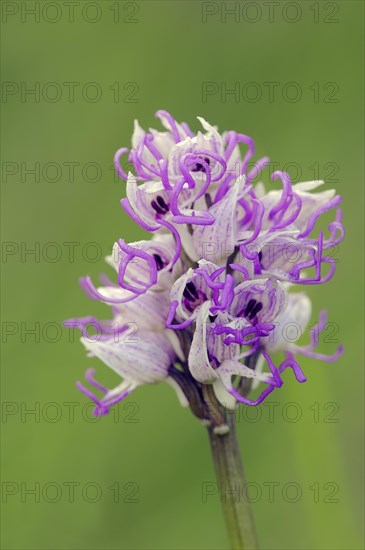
205, 302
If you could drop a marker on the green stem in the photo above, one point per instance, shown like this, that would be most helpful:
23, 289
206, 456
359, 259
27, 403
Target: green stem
231, 482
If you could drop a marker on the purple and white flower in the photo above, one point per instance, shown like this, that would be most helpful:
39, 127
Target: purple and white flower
211, 293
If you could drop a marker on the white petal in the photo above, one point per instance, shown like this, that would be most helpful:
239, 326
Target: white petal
149, 310
121, 388
224, 397
141, 362
261, 361
209, 128
138, 133
260, 190
216, 242
231, 368
199, 363
175, 343
307, 185
137, 196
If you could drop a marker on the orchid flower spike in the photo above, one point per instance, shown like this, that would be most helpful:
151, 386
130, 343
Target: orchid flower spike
208, 299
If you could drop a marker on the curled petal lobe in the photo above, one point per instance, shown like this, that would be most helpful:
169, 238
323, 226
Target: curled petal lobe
130, 254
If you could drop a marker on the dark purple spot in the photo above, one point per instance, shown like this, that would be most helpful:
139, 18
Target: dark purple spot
159, 262
213, 360
190, 292
162, 203
192, 296
160, 206
256, 309
200, 167
208, 200
249, 307
251, 310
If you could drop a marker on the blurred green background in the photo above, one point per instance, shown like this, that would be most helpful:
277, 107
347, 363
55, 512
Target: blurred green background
142, 56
